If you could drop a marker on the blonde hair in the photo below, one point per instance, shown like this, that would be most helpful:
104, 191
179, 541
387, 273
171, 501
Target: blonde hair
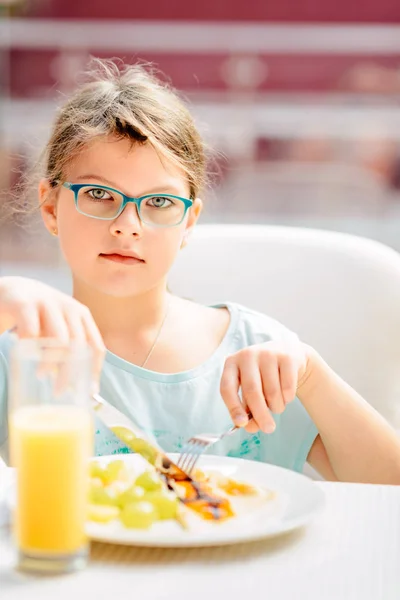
128, 101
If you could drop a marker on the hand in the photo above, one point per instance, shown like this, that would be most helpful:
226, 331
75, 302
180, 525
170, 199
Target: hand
268, 375
33, 309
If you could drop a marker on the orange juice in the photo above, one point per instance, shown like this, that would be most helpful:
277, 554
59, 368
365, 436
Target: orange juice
50, 447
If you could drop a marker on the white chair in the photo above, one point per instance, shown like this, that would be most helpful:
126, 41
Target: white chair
338, 292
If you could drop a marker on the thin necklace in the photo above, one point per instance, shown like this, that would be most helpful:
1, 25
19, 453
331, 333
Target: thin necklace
150, 352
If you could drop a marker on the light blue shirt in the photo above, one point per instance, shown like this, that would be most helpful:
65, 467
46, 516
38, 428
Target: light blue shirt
174, 407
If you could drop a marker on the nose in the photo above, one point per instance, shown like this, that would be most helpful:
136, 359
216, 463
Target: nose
127, 223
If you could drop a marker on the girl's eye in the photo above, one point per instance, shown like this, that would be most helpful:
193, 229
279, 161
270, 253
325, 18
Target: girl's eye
159, 202
99, 194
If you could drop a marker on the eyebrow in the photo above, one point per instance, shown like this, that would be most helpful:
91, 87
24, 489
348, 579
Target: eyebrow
159, 189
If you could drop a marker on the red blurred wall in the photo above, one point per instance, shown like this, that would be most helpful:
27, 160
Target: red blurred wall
311, 11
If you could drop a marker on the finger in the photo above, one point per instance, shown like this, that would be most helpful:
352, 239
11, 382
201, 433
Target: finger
76, 328
229, 391
27, 322
53, 324
253, 396
59, 368
288, 379
29, 325
77, 333
252, 427
271, 386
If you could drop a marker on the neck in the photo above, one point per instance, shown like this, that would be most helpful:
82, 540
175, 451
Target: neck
128, 317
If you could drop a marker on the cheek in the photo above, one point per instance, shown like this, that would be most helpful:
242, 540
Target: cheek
163, 246
77, 236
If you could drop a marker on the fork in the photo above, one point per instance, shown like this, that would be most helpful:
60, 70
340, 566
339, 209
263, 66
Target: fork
197, 445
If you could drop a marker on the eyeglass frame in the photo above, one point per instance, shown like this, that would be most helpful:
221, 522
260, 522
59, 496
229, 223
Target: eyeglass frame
75, 187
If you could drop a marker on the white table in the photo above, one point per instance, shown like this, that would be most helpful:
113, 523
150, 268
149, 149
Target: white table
350, 552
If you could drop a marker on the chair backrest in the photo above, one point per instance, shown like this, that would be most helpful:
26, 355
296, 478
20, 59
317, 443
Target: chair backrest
338, 292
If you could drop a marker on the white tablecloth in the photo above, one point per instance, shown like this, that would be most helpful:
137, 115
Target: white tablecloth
350, 552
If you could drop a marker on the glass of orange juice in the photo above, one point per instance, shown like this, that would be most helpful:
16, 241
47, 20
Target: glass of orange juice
51, 441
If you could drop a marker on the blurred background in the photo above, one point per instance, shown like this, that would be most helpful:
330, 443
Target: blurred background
301, 101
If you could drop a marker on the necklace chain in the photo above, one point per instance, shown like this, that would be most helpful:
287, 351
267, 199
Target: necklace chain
150, 352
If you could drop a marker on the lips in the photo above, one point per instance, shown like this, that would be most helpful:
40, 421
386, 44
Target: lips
122, 258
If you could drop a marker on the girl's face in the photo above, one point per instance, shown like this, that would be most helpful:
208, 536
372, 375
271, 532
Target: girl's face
91, 246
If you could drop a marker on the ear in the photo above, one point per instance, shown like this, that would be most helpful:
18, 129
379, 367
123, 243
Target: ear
194, 214
48, 205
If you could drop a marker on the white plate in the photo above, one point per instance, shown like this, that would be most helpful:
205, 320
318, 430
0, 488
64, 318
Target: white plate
297, 501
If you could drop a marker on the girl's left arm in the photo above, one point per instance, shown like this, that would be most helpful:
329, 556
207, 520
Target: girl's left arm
355, 443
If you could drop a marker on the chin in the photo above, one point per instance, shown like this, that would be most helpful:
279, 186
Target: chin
120, 290
120, 283
120, 287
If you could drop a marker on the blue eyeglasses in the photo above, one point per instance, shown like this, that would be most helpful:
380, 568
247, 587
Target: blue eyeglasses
105, 203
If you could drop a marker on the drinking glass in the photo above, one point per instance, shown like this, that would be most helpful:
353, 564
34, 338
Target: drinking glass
51, 441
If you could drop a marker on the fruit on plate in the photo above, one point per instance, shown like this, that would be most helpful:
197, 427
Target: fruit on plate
136, 500
193, 493
102, 513
139, 515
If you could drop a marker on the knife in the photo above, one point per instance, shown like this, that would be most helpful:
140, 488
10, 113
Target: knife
135, 439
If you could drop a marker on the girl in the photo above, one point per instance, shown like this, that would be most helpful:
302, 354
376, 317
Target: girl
121, 187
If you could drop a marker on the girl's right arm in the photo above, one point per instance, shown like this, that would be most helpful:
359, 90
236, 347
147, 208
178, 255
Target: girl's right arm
33, 309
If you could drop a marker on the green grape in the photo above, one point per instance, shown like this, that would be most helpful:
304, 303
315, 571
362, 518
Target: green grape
115, 471
166, 504
96, 482
144, 449
102, 513
96, 470
131, 495
139, 515
124, 434
149, 481
99, 495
